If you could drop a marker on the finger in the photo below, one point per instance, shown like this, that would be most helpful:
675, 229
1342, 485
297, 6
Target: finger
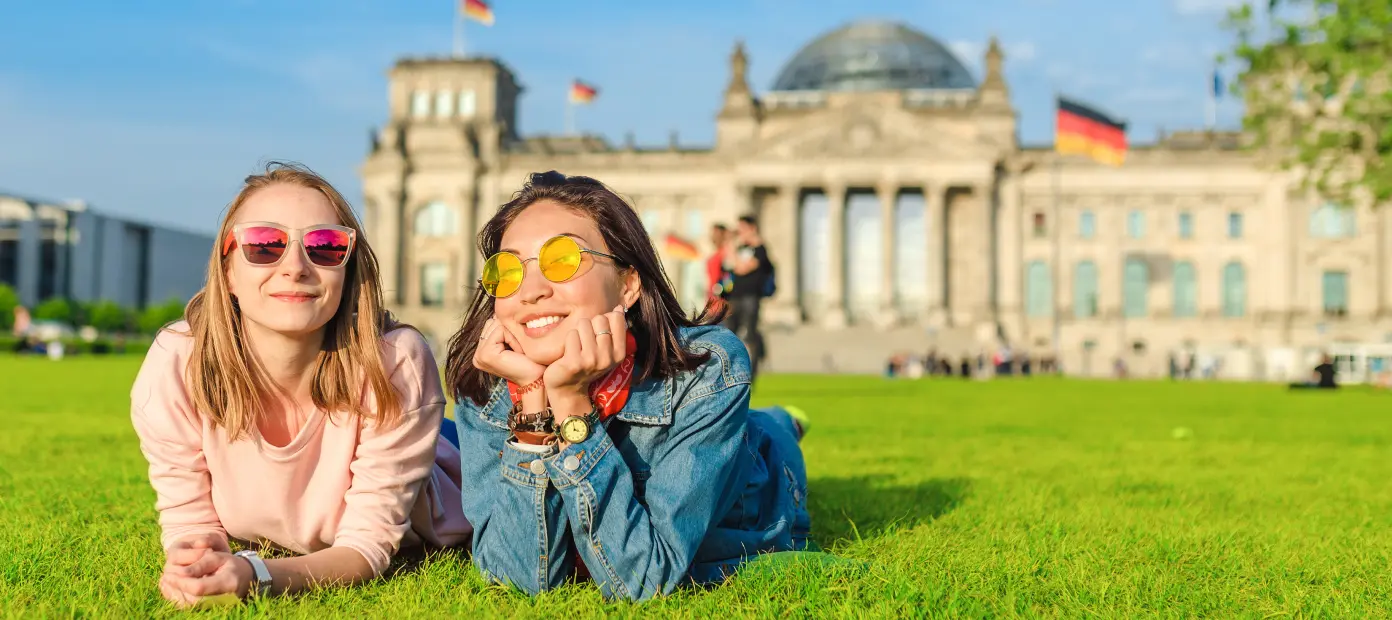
604, 339
618, 324
197, 586
173, 594
205, 566
487, 329
573, 348
584, 330
512, 341
184, 557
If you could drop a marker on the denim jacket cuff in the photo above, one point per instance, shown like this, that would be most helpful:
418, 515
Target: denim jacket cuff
574, 464
520, 466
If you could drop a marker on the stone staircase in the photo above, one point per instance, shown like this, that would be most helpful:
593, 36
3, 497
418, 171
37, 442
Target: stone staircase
864, 349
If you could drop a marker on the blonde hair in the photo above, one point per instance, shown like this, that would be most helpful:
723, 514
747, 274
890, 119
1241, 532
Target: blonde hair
225, 382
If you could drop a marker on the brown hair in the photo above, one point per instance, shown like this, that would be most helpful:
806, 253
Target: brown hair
224, 380
654, 320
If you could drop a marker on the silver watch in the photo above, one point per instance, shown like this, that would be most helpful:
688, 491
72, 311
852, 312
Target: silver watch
261, 583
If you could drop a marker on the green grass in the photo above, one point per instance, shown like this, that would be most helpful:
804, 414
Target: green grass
948, 498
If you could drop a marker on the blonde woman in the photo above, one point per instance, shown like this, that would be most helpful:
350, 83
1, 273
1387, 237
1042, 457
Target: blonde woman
289, 412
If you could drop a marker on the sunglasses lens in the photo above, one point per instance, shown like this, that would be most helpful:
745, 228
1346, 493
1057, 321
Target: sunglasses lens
263, 245
327, 247
502, 274
559, 259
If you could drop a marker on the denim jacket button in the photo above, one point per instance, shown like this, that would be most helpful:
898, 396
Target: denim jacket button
571, 463
538, 467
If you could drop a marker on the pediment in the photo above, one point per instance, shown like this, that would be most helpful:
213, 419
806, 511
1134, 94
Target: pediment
874, 132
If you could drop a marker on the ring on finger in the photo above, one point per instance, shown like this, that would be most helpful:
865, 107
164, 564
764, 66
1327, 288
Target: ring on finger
604, 333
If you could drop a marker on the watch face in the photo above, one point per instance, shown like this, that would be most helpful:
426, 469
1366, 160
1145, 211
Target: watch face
575, 429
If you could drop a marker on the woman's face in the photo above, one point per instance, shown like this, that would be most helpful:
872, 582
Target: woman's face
295, 297
542, 312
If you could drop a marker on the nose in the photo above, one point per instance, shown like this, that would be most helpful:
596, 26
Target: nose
294, 265
535, 287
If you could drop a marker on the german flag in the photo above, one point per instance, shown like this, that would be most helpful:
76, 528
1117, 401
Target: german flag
1081, 130
681, 249
581, 92
477, 10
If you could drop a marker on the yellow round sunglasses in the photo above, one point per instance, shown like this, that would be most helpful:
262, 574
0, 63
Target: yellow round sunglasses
558, 260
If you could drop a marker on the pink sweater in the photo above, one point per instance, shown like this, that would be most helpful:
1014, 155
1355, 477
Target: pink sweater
343, 484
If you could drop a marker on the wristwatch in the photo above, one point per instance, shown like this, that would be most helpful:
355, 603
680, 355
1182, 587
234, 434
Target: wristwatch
577, 428
261, 582
541, 422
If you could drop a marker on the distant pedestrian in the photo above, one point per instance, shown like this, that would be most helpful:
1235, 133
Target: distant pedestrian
718, 277
753, 281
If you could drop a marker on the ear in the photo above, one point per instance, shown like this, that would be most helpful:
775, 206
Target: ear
632, 288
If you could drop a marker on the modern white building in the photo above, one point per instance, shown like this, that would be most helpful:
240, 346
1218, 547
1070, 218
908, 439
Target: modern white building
54, 249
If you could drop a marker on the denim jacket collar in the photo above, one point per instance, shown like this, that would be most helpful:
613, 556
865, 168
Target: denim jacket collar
649, 403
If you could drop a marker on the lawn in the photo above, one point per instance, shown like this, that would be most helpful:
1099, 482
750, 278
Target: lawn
1034, 497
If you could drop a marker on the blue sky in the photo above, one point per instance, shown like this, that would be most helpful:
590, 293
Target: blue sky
157, 110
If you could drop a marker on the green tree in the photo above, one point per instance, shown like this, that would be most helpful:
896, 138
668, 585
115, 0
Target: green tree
1318, 94
9, 300
156, 316
54, 309
108, 316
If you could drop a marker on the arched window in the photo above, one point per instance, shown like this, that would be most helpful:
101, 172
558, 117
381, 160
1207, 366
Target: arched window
444, 104
1186, 294
1134, 285
435, 220
1234, 290
1332, 221
1087, 225
1039, 290
1085, 290
433, 278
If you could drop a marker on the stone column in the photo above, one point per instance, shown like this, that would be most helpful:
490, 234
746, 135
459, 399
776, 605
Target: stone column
937, 259
835, 315
1009, 240
781, 228
28, 276
462, 272
386, 243
888, 192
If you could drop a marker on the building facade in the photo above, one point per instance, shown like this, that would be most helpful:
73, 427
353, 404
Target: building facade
896, 199
50, 249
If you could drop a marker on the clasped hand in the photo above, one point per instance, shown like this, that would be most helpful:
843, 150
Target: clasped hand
203, 567
592, 348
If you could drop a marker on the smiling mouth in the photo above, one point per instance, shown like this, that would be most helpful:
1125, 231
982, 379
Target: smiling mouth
294, 297
542, 325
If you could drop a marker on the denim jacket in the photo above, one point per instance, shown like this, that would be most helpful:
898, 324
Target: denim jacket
684, 485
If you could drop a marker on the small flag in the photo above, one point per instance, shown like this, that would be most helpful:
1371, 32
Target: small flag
681, 249
1081, 130
477, 10
581, 92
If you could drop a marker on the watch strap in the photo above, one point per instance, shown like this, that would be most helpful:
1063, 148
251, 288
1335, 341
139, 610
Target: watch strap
261, 583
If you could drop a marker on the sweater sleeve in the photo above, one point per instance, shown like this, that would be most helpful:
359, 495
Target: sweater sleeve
171, 438
391, 463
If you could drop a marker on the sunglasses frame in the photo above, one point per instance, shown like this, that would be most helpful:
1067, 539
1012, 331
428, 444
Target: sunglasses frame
583, 251
292, 236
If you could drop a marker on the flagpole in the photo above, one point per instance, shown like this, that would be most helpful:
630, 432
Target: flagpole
569, 117
458, 35
1056, 285
1213, 100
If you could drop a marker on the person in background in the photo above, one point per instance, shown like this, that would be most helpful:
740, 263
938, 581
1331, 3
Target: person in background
1324, 376
717, 276
752, 272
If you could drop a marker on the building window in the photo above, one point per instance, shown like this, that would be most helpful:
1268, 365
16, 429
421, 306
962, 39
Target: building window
1039, 225
1186, 290
1087, 225
1039, 290
1135, 224
1332, 221
444, 104
1134, 285
432, 284
420, 104
1085, 290
650, 220
435, 220
1234, 290
1334, 287
1234, 225
1186, 225
466, 103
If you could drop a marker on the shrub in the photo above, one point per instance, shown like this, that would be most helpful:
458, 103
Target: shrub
55, 309
9, 300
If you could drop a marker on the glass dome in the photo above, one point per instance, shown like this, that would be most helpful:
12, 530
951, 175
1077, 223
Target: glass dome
868, 56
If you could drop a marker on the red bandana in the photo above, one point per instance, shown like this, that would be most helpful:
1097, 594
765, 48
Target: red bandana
610, 392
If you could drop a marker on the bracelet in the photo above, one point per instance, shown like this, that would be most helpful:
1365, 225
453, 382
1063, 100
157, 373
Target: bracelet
530, 386
541, 422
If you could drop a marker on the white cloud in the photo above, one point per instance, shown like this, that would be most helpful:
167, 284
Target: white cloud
1203, 7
